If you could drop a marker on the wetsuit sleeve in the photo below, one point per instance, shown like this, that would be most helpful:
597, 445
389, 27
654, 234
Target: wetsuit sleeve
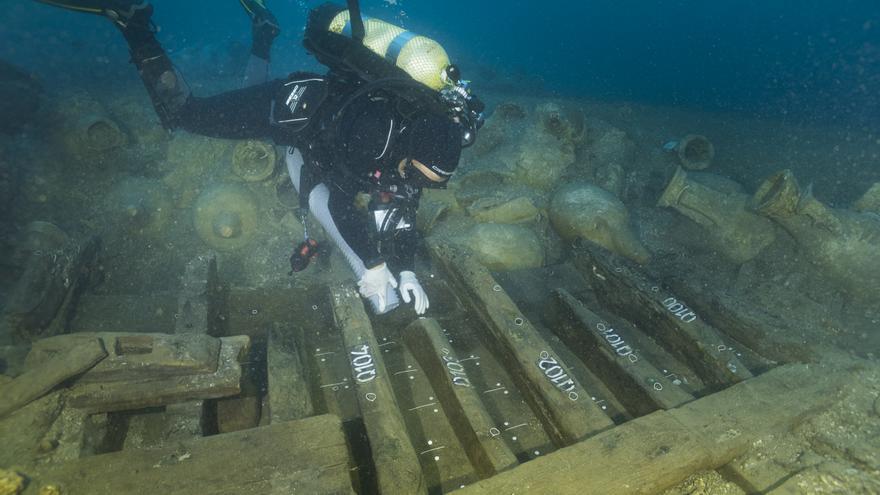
353, 224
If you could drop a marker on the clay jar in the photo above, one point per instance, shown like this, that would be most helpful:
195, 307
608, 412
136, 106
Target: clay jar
734, 230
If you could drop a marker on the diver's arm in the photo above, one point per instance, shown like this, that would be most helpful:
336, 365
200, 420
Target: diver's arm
353, 226
319, 205
319, 199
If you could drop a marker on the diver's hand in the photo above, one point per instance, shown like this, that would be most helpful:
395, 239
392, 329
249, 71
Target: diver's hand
411, 289
374, 282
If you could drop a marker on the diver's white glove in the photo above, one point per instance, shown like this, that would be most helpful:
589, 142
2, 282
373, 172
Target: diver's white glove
374, 282
410, 284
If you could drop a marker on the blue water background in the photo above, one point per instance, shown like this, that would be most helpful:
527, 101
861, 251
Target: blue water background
811, 59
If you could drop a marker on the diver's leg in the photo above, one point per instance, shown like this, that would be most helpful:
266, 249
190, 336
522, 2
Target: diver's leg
244, 113
236, 114
264, 29
119, 11
167, 89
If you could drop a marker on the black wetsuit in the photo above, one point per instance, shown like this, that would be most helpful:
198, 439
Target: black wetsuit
368, 138
365, 139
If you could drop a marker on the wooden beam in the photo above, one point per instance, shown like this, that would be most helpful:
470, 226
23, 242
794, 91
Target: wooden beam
557, 398
196, 308
75, 434
641, 387
397, 466
24, 430
122, 395
36, 382
142, 313
195, 301
306, 456
468, 416
44, 297
135, 356
624, 290
193, 318
764, 333
655, 452
289, 396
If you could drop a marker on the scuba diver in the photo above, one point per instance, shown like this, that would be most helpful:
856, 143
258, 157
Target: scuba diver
386, 124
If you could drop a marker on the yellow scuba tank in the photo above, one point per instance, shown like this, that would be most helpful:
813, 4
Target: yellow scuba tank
420, 57
382, 55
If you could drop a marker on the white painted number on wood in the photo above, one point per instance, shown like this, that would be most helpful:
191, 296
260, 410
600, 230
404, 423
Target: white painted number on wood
362, 364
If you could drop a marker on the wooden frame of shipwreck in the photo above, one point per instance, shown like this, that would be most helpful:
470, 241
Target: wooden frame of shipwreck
748, 385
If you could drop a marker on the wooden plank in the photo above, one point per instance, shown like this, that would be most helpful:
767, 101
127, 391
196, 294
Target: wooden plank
397, 466
760, 473
195, 316
135, 356
624, 290
289, 395
195, 305
444, 462
75, 434
306, 456
36, 382
606, 351
80, 280
192, 319
43, 299
142, 313
657, 451
156, 428
558, 399
118, 396
830, 476
471, 422
757, 329
24, 430
12, 359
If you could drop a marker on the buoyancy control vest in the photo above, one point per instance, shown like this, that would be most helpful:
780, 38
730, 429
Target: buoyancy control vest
317, 113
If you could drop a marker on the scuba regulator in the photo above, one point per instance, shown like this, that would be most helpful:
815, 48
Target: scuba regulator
464, 106
386, 56
392, 206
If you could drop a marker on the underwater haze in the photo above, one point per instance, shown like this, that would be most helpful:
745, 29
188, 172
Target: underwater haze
816, 59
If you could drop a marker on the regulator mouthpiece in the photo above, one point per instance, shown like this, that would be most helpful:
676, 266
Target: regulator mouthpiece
464, 106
